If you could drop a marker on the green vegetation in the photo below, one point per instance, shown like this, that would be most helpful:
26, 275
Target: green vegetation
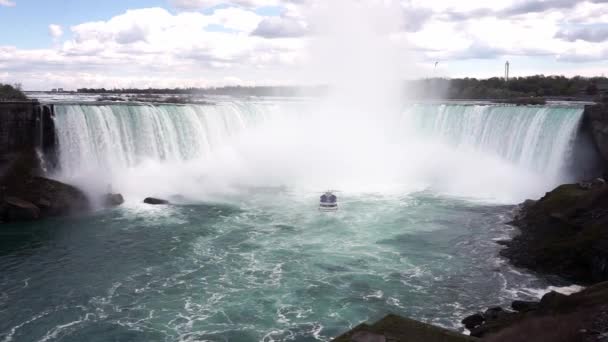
458, 88
498, 88
282, 91
9, 92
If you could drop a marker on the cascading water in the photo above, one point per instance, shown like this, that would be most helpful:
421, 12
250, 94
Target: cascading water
250, 260
490, 152
535, 138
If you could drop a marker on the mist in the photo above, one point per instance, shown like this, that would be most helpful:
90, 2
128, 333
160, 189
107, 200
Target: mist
362, 137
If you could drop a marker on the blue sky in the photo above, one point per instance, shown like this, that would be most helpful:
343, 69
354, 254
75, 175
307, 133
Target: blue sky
67, 43
29, 21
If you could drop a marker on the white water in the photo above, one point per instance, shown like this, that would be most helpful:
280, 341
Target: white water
483, 152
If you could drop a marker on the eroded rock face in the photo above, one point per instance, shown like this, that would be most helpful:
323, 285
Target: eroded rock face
564, 233
597, 120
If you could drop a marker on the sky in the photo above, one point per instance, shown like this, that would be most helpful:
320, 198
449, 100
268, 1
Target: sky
48, 44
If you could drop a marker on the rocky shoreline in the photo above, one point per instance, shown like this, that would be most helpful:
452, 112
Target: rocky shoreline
563, 234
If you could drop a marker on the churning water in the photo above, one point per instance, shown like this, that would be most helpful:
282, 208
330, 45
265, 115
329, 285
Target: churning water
245, 255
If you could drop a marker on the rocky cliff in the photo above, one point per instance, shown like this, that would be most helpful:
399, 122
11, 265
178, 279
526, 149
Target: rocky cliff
26, 129
596, 123
25, 125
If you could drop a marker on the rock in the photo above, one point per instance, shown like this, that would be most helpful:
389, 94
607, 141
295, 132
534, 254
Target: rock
156, 201
366, 336
17, 209
523, 306
51, 198
493, 313
582, 310
44, 204
553, 300
113, 200
597, 118
585, 185
562, 234
473, 321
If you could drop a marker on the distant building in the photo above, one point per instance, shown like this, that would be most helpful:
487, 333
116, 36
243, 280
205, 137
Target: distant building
507, 65
60, 90
54, 90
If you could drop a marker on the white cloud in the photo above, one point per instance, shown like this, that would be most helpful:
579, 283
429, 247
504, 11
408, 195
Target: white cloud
199, 4
281, 27
56, 31
7, 3
156, 47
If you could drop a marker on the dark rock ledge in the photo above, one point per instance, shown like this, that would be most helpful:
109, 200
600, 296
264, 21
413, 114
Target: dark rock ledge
26, 196
393, 328
581, 316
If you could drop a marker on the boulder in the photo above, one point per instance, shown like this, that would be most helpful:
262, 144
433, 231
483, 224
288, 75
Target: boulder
20, 180
494, 313
156, 201
523, 306
16, 209
473, 321
113, 200
55, 198
554, 300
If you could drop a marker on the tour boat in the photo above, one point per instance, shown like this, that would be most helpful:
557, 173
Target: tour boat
329, 202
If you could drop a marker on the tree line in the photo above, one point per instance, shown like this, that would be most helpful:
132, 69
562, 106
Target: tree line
11, 92
499, 88
455, 88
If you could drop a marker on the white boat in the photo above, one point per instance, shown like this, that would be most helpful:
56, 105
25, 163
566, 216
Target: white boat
329, 202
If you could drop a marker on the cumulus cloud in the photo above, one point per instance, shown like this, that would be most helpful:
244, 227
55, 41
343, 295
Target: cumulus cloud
159, 47
56, 31
7, 3
281, 27
590, 33
199, 4
415, 18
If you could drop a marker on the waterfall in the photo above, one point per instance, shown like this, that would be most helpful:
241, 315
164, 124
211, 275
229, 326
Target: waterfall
498, 152
535, 138
115, 137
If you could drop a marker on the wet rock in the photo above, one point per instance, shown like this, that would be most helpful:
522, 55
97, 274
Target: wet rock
16, 209
493, 313
20, 181
523, 306
113, 200
156, 201
577, 312
553, 300
473, 321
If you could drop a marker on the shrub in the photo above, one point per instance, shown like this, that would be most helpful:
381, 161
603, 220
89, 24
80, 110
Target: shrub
9, 92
